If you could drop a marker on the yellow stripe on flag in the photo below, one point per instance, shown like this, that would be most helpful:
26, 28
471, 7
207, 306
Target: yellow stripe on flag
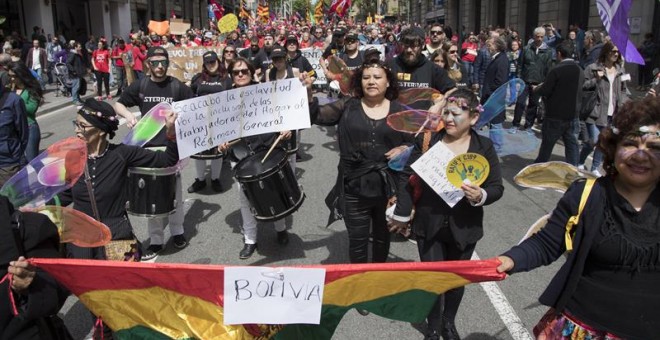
371, 286
176, 315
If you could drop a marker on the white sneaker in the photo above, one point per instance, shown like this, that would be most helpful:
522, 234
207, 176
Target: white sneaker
581, 167
597, 173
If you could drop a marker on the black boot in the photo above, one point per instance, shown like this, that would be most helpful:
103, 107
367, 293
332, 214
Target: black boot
247, 251
449, 331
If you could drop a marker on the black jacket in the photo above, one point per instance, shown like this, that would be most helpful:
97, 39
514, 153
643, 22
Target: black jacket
432, 213
76, 65
497, 74
562, 90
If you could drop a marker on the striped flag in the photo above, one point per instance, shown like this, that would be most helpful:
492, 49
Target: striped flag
319, 10
185, 301
340, 7
614, 15
262, 11
244, 12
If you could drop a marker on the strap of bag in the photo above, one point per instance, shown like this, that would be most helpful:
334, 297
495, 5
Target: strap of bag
575, 219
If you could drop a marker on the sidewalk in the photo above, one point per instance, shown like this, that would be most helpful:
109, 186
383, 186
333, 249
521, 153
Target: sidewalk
52, 102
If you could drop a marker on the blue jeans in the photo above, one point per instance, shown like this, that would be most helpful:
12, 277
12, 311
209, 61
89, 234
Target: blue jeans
593, 131
496, 136
469, 68
75, 88
552, 130
34, 137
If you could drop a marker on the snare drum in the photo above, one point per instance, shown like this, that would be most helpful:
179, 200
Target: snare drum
271, 187
291, 144
151, 191
212, 153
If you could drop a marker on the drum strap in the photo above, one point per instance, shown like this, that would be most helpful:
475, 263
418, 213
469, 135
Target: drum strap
90, 191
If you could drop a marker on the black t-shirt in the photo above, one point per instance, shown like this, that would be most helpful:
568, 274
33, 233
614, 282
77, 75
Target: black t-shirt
262, 61
353, 63
250, 55
423, 74
146, 94
332, 49
203, 84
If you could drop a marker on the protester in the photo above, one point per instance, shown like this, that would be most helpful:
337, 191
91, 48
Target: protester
445, 233
212, 79
480, 64
146, 94
437, 35
242, 73
14, 134
77, 71
37, 61
29, 89
101, 64
366, 143
562, 91
117, 54
496, 75
607, 287
604, 77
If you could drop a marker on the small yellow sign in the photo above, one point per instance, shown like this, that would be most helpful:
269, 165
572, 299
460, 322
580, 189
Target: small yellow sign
471, 167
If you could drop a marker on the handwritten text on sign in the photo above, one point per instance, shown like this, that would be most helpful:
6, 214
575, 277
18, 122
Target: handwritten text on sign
208, 121
273, 295
432, 168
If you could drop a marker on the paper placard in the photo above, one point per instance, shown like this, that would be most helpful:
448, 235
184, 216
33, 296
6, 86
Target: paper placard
208, 121
265, 295
178, 27
432, 169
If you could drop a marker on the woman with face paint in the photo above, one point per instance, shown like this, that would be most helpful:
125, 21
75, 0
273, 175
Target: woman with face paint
608, 286
442, 232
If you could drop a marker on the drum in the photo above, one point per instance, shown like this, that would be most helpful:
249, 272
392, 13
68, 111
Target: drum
291, 144
271, 187
151, 191
212, 153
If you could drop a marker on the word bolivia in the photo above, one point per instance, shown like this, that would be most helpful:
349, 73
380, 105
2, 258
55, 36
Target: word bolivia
276, 289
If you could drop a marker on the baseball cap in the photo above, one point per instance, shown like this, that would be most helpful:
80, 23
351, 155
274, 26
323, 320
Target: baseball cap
155, 51
291, 38
339, 32
278, 52
209, 57
352, 36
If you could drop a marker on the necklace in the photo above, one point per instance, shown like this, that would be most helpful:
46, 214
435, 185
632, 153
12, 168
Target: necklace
107, 145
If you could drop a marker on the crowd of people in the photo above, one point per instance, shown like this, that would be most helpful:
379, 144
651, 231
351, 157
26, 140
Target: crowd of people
606, 289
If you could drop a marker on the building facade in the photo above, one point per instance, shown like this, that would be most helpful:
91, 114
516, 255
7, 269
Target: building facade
77, 19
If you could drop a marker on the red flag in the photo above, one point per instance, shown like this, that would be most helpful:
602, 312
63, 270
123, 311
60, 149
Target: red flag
218, 10
340, 7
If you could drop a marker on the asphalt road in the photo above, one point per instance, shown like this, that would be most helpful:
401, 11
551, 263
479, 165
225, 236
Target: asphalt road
212, 224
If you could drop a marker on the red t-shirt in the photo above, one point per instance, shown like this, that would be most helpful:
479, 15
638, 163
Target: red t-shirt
102, 60
116, 52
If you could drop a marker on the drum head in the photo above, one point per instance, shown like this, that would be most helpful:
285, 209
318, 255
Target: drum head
252, 167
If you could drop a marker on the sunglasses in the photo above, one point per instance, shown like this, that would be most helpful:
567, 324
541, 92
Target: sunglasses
243, 71
162, 63
436, 32
229, 51
614, 52
350, 41
453, 51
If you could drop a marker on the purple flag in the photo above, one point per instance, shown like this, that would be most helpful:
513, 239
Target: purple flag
614, 15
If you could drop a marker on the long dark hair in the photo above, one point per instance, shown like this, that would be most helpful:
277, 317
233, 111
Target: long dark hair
30, 83
392, 91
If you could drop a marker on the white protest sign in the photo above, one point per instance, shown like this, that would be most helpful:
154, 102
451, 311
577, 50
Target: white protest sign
432, 168
273, 295
313, 55
207, 121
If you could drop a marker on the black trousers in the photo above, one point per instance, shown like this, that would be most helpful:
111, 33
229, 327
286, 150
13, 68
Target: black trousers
443, 248
363, 216
102, 78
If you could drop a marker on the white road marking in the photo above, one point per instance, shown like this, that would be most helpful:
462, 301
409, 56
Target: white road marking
506, 312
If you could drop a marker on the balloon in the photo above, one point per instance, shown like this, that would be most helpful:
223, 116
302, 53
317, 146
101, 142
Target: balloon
512, 142
338, 67
228, 23
53, 171
399, 161
415, 121
550, 175
409, 96
76, 227
505, 95
148, 126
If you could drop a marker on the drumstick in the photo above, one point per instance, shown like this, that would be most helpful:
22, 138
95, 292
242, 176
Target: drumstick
230, 143
272, 148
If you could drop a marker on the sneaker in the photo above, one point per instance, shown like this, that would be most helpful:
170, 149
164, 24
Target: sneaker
597, 173
179, 241
581, 167
151, 253
247, 251
283, 237
216, 185
108, 97
197, 186
99, 98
